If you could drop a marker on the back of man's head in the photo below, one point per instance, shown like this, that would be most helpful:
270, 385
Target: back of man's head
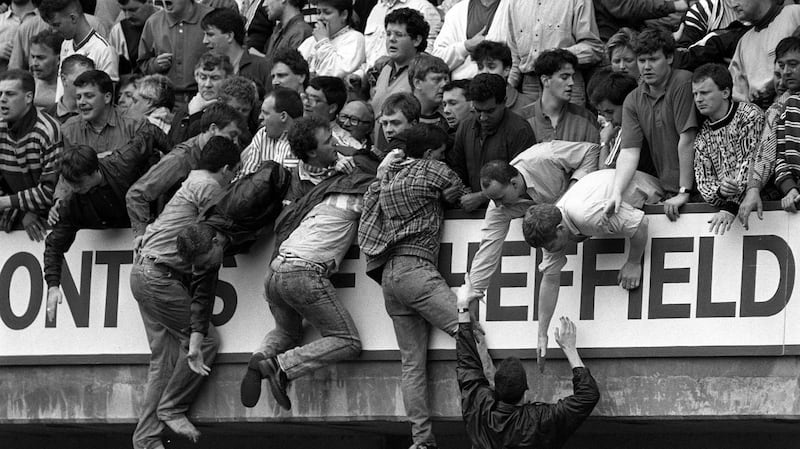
510, 381
611, 86
288, 101
486, 86
71, 62
218, 153
78, 162
222, 115
497, 170
421, 137
49, 8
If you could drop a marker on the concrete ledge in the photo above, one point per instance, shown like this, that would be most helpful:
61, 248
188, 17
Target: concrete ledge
658, 388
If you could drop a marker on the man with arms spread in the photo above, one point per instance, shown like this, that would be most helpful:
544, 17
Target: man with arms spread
498, 418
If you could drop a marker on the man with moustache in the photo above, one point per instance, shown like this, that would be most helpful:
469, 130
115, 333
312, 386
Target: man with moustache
126, 33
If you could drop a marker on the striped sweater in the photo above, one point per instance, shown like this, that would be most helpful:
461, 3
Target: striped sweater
29, 153
787, 158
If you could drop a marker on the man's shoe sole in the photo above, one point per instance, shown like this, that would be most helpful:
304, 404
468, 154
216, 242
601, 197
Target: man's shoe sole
272, 373
251, 383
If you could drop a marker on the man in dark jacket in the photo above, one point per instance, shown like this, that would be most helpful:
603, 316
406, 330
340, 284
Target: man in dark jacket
499, 419
98, 201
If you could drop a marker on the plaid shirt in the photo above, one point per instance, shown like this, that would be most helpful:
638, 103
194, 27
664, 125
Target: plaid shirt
403, 211
29, 154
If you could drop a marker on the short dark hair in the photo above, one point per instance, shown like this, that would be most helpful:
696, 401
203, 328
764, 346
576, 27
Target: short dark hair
97, 78
158, 89
301, 135
218, 153
497, 170
194, 241
49, 8
624, 37
422, 65
49, 39
297, 3
551, 61
416, 25
540, 224
404, 102
487, 85
492, 50
458, 84
222, 115
227, 21
210, 61
23, 76
420, 138
294, 60
77, 162
650, 40
510, 380
72, 61
718, 73
239, 88
333, 88
287, 100
786, 45
611, 86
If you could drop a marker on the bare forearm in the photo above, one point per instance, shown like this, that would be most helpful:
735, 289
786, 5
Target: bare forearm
686, 158
627, 161
638, 242
548, 298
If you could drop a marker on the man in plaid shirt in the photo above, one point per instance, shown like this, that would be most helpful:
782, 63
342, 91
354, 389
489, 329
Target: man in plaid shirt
399, 233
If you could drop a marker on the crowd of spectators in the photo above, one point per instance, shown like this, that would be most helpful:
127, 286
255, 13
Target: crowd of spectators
335, 122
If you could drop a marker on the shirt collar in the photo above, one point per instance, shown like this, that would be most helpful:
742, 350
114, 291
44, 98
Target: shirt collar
646, 87
341, 31
391, 3
311, 173
77, 45
727, 119
281, 26
765, 21
10, 13
24, 125
197, 14
112, 119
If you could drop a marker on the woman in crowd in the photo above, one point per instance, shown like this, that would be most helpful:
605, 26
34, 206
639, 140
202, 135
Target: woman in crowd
334, 48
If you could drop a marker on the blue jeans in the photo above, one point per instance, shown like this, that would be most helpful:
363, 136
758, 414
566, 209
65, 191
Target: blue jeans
164, 303
298, 290
416, 296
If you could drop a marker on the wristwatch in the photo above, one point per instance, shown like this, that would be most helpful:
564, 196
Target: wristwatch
683, 189
463, 310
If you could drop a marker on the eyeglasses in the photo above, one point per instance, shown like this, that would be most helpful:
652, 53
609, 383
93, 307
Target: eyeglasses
351, 120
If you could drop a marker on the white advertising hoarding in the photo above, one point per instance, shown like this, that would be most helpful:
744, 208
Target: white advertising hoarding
701, 295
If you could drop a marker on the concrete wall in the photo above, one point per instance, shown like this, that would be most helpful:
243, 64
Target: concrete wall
654, 388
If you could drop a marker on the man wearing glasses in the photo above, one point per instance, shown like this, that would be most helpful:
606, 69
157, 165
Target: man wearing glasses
358, 119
